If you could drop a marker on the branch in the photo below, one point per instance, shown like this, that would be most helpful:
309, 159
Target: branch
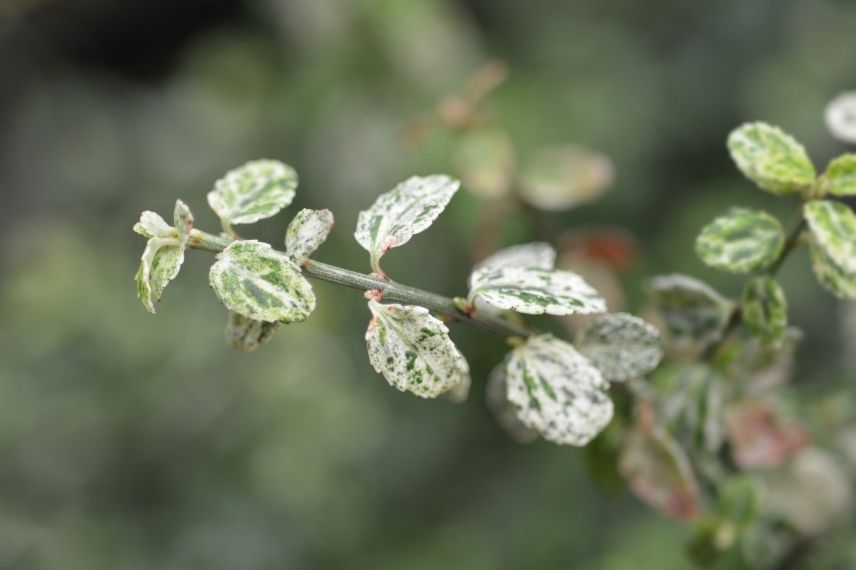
390, 290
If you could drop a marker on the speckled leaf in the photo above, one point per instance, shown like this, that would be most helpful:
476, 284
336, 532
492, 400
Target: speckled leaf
765, 309
183, 220
771, 158
840, 117
832, 277
252, 192
741, 240
692, 312
840, 176
159, 265
409, 208
539, 255
459, 393
152, 225
833, 225
257, 282
306, 232
505, 413
621, 346
535, 291
413, 350
485, 160
564, 177
246, 335
557, 391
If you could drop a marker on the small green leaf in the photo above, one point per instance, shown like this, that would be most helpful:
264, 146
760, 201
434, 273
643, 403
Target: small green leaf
832, 277
183, 220
771, 158
257, 282
395, 217
565, 177
252, 192
151, 225
765, 309
504, 412
741, 241
306, 232
557, 391
413, 350
485, 160
246, 335
159, 265
621, 346
692, 312
840, 176
833, 225
840, 117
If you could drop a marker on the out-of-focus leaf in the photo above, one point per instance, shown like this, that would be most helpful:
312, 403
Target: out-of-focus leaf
771, 158
758, 437
833, 225
254, 280
557, 391
741, 240
621, 346
692, 405
505, 413
538, 255
409, 208
840, 176
257, 190
840, 117
832, 277
306, 232
485, 160
764, 309
561, 178
246, 335
413, 350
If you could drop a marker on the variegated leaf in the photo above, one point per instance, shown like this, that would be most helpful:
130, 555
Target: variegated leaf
505, 413
539, 255
183, 220
692, 312
459, 393
565, 177
413, 350
840, 176
485, 160
771, 158
621, 346
246, 335
741, 240
159, 265
535, 291
833, 225
557, 391
832, 277
252, 192
306, 232
257, 282
409, 208
764, 309
840, 117
152, 225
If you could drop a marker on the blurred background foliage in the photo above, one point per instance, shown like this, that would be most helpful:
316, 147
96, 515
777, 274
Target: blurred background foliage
130, 442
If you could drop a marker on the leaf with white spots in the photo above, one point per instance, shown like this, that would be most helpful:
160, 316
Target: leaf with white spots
833, 225
539, 255
246, 334
306, 232
840, 117
504, 412
771, 158
621, 346
159, 265
183, 221
485, 160
413, 350
257, 282
764, 309
741, 240
840, 176
557, 391
832, 277
691, 311
535, 291
564, 177
395, 217
152, 225
252, 192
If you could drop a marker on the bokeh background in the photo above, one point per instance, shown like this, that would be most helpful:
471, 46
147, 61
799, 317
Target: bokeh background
137, 442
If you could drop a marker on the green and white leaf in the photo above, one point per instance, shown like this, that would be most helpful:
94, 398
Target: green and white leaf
764, 309
557, 391
535, 291
832, 277
260, 283
413, 350
485, 160
183, 220
306, 232
771, 158
564, 177
537, 255
459, 393
833, 225
692, 312
159, 265
741, 240
252, 192
840, 176
409, 208
840, 117
151, 225
621, 346
246, 335
504, 412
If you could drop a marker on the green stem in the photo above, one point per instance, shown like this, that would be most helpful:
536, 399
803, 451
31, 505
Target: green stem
390, 290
